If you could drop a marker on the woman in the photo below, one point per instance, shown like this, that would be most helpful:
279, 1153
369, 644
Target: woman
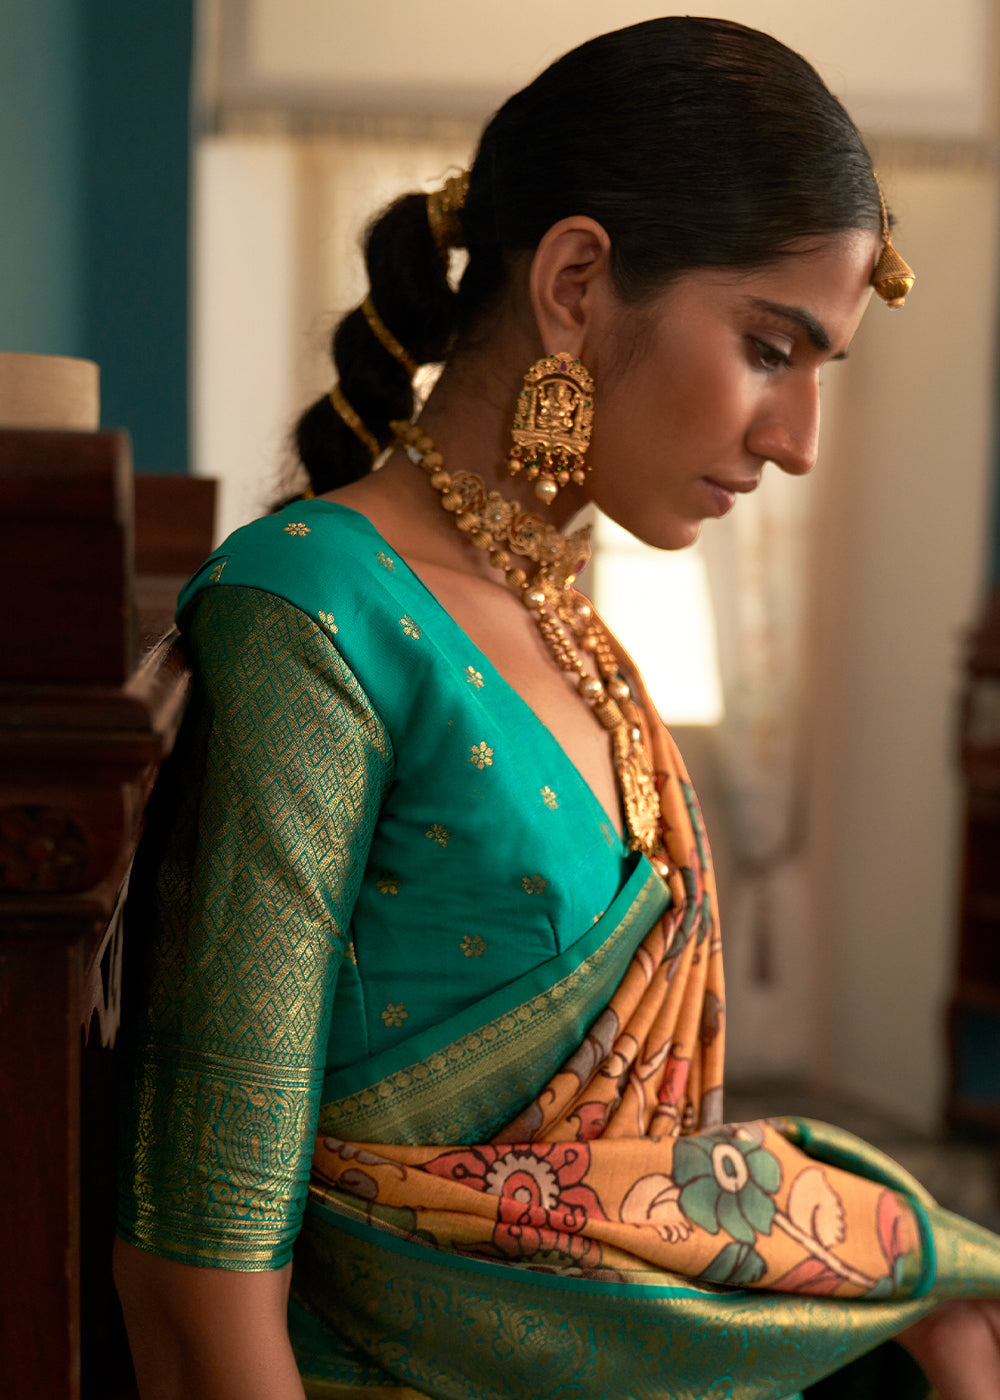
433, 931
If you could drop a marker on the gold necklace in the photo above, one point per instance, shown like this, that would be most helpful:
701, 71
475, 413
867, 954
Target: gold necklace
562, 615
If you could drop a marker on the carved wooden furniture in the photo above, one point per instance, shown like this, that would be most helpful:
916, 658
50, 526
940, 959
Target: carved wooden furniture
87, 715
974, 1013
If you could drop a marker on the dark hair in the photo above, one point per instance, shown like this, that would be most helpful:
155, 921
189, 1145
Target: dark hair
694, 142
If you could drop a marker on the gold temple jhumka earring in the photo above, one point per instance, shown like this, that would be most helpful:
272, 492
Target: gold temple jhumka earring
552, 424
893, 277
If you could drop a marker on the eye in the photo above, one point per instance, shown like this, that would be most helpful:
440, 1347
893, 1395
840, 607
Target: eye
767, 356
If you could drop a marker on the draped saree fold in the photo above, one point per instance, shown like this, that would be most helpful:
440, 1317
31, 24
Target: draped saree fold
389, 929
613, 1237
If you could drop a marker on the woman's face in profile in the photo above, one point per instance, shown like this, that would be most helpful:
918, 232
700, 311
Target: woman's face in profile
723, 378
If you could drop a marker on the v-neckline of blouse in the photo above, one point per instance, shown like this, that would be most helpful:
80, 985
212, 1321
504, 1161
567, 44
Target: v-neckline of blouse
484, 660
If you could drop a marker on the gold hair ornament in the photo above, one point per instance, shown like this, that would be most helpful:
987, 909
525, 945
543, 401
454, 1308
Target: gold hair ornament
353, 420
443, 208
552, 424
385, 337
893, 277
565, 620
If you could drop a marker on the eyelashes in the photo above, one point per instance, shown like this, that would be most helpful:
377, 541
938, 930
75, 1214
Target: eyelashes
767, 356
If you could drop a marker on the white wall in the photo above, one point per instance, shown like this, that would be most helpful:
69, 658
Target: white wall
910, 66
900, 570
245, 321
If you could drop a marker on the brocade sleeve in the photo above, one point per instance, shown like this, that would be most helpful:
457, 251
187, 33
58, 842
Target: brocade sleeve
238, 920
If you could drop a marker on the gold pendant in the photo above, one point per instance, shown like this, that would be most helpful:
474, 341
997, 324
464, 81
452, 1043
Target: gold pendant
638, 787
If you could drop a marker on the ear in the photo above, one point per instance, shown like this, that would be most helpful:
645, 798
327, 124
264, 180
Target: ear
570, 276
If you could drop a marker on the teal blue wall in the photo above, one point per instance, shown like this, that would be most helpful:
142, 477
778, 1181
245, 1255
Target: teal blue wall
40, 176
94, 162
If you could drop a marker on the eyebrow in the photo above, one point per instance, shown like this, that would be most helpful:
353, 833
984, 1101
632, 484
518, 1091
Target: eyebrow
818, 335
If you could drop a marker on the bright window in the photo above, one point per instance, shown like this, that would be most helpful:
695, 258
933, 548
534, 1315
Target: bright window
656, 602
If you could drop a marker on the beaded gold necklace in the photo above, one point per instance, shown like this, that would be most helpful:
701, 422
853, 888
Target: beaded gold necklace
563, 617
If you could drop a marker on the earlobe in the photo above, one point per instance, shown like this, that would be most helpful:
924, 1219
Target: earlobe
569, 271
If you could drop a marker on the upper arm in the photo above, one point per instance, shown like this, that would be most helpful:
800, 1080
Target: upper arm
243, 894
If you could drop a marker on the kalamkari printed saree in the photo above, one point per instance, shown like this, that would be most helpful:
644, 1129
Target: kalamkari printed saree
615, 1238
535, 1191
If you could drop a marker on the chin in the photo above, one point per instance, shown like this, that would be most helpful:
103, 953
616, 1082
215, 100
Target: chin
668, 534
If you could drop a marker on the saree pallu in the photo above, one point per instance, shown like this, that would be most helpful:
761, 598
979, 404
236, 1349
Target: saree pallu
479, 1229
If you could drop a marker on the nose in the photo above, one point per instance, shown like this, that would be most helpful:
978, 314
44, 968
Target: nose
786, 431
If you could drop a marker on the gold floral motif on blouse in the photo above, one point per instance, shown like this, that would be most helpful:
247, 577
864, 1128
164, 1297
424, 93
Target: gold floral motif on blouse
216, 573
297, 527
387, 884
395, 1013
438, 833
473, 946
409, 627
474, 677
549, 798
481, 756
327, 621
386, 562
533, 884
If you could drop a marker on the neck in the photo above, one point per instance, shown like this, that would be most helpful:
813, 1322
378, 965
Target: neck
469, 416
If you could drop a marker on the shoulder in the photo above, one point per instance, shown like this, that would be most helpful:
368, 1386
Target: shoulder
306, 554
317, 568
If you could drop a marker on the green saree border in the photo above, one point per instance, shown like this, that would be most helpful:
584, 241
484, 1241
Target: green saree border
500, 1052
477, 1330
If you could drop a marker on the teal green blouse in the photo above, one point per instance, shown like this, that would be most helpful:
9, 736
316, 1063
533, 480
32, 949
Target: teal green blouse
363, 830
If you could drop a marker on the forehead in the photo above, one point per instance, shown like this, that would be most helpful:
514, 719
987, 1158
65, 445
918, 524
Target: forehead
826, 284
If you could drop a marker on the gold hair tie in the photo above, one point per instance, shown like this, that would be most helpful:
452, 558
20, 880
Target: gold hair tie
385, 337
353, 420
443, 208
893, 277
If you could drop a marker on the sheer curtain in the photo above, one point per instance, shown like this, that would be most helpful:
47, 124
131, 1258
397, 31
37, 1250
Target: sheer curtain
758, 575
278, 223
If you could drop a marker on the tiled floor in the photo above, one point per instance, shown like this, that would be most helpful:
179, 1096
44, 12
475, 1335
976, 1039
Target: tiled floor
963, 1175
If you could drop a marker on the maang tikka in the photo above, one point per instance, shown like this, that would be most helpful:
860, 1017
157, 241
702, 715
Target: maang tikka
552, 424
893, 277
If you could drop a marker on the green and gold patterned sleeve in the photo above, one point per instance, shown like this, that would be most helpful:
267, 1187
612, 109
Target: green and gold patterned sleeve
237, 924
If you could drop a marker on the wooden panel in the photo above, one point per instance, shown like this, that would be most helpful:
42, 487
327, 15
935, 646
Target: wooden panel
174, 520
83, 732
39, 1168
66, 557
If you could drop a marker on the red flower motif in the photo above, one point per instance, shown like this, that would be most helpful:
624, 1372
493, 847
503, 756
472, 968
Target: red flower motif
543, 1203
675, 1079
897, 1231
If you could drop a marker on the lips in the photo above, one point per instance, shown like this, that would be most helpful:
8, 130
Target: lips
735, 487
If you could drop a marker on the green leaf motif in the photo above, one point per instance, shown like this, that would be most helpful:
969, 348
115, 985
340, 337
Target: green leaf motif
732, 1220
765, 1169
692, 1157
699, 1202
738, 1265
758, 1209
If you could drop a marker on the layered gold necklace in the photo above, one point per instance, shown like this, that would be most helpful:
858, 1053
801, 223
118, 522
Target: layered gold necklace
566, 621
